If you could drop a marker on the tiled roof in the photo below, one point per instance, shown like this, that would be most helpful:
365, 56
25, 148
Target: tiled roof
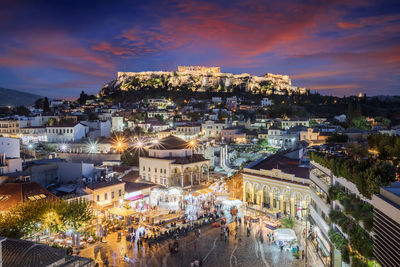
170, 142
15, 193
283, 163
16, 252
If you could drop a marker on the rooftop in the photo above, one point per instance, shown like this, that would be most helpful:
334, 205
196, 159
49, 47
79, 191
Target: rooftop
12, 194
170, 143
99, 185
283, 163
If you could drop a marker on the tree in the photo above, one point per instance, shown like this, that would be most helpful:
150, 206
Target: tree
46, 105
22, 111
288, 222
39, 103
82, 98
337, 138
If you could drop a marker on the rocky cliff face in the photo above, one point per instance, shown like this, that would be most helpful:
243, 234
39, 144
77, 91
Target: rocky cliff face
198, 81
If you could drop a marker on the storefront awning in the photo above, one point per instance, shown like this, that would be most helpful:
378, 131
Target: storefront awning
140, 196
121, 212
209, 190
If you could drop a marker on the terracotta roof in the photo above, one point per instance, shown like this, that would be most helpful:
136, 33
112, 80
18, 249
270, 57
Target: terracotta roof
130, 176
18, 252
12, 194
170, 142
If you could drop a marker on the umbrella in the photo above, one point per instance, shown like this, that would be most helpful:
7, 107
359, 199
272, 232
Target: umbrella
101, 233
73, 239
78, 240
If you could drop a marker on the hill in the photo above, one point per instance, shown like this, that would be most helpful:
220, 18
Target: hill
10, 97
201, 81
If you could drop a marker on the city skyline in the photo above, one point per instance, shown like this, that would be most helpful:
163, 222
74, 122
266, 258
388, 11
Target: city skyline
339, 48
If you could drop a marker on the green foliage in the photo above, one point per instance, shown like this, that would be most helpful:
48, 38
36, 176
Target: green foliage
361, 123
195, 116
288, 222
46, 105
367, 175
359, 239
337, 138
22, 111
32, 217
386, 145
340, 242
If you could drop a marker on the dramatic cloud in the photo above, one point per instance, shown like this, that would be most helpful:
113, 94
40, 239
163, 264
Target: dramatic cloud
338, 46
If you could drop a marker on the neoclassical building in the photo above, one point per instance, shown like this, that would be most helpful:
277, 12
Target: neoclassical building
172, 162
278, 183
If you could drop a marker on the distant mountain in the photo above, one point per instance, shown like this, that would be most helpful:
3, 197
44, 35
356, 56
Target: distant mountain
14, 98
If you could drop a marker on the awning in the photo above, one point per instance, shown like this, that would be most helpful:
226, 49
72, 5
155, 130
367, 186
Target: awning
121, 211
203, 192
140, 196
196, 194
209, 190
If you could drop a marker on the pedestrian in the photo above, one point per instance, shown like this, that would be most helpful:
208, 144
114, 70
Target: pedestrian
281, 248
303, 254
240, 221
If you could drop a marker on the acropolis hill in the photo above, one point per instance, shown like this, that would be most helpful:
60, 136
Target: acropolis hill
202, 79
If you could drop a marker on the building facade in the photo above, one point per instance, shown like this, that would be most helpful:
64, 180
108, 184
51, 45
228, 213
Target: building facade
387, 225
73, 132
277, 183
172, 162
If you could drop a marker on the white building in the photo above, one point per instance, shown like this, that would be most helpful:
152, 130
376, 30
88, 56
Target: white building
33, 135
187, 131
117, 124
287, 124
10, 160
213, 129
171, 162
99, 128
71, 132
160, 103
279, 138
154, 113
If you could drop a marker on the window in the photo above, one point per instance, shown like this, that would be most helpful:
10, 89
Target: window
149, 168
155, 169
105, 196
98, 198
170, 154
144, 168
119, 192
112, 195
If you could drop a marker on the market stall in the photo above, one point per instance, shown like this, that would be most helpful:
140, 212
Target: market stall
285, 238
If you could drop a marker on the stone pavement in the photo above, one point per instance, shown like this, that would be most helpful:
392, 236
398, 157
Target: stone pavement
244, 251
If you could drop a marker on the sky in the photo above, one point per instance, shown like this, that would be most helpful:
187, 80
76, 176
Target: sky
58, 48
